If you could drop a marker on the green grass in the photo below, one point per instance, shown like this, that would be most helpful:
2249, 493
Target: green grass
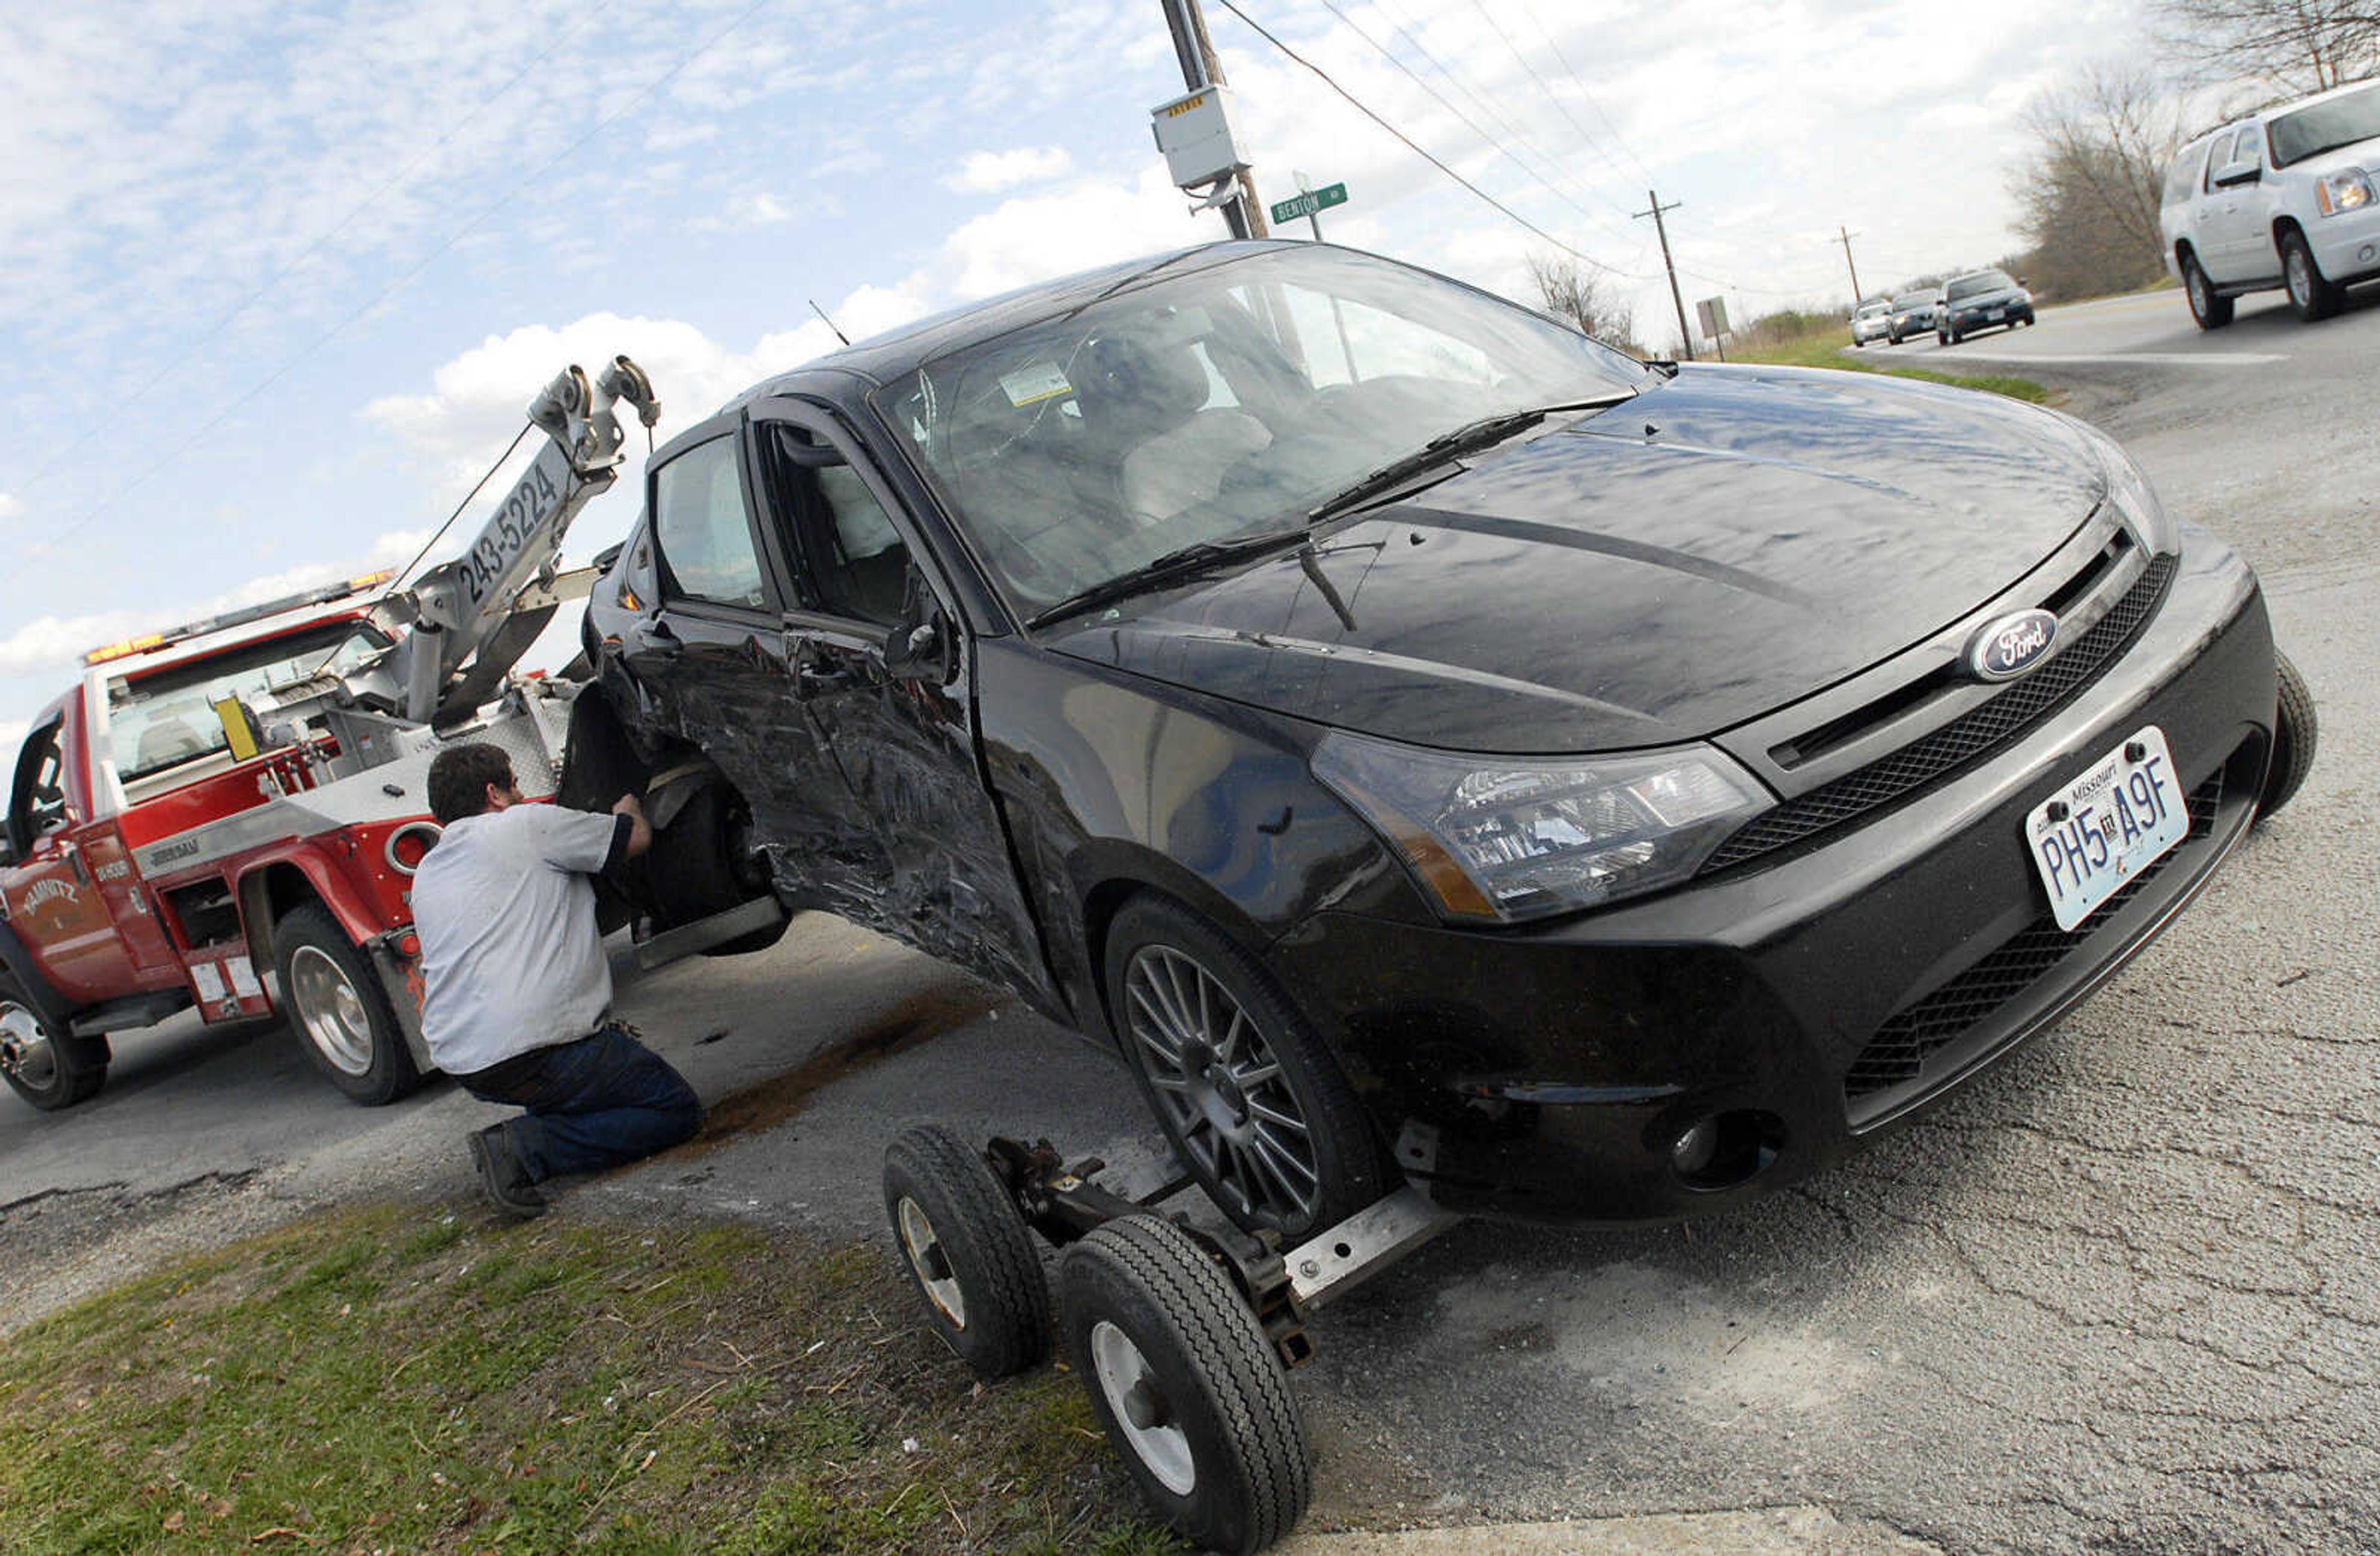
415, 1379
1827, 348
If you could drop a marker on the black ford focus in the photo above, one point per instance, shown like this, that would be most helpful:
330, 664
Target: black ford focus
1429, 744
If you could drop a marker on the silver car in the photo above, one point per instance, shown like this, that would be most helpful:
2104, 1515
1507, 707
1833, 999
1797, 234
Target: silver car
1871, 321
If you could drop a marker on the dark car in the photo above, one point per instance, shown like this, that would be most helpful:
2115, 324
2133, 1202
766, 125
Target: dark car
1912, 314
1980, 300
1427, 743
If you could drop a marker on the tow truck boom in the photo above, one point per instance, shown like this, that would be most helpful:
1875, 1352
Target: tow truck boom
477, 606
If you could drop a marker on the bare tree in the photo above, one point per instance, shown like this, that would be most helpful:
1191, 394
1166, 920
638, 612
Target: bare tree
1568, 290
2088, 195
2300, 45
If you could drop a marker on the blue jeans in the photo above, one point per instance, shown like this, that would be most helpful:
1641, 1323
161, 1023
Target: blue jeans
593, 1103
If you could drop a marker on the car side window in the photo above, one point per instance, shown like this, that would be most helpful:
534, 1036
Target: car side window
2218, 160
705, 535
2181, 182
854, 556
2249, 150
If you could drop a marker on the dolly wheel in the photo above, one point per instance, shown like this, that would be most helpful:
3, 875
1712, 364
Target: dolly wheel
967, 1249
1189, 1390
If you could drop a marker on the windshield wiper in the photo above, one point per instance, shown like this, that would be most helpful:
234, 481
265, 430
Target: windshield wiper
1181, 562
1445, 448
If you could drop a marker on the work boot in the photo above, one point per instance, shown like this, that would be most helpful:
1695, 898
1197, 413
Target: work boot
502, 1177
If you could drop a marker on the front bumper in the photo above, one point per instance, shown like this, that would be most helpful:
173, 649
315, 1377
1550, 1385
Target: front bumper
2010, 314
2346, 247
1544, 1073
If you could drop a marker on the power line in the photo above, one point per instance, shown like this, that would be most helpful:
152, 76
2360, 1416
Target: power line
1584, 134
267, 285
1399, 20
427, 261
1333, 7
1418, 151
1617, 139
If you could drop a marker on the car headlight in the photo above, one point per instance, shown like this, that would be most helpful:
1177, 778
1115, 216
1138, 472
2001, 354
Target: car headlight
1501, 839
2129, 493
2349, 189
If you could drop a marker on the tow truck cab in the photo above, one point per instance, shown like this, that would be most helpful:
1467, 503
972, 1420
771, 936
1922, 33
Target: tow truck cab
162, 853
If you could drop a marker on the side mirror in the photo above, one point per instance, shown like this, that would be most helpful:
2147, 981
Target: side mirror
922, 646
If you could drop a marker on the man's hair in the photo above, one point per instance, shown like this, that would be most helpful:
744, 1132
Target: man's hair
459, 777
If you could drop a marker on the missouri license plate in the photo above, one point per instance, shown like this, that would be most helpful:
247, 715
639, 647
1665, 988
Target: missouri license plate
1996, 315
2107, 826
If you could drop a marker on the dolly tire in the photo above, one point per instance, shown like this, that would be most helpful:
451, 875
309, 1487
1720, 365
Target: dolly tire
967, 1250
46, 1066
1253, 1103
1188, 1389
2294, 734
333, 1000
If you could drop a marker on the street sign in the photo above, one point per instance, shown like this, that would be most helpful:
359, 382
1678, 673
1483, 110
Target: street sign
1309, 203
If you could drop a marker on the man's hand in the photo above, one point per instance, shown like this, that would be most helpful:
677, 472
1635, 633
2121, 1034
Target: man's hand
640, 831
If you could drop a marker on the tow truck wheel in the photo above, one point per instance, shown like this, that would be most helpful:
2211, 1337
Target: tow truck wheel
48, 1069
967, 1248
1189, 1391
341, 1014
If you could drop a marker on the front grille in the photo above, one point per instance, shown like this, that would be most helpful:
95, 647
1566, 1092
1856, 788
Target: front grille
1978, 731
1898, 1052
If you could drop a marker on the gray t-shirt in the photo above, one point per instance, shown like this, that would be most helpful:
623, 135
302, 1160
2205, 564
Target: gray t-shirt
511, 958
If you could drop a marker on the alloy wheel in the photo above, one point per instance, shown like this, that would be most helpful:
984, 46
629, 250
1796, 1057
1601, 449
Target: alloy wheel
1222, 1088
2301, 277
330, 1010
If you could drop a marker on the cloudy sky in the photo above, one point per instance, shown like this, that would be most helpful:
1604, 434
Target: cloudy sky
276, 278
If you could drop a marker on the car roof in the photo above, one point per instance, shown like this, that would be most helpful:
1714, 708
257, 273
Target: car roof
883, 357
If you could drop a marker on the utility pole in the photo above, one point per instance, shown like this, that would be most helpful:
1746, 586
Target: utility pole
1200, 68
1856, 293
1686, 335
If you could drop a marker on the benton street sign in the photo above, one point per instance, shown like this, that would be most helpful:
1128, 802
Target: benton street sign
1306, 204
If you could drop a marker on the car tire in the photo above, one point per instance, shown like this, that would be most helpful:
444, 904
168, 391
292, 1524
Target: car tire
1255, 1105
1892, 339
2207, 308
334, 1003
968, 1252
45, 1066
699, 865
2312, 299
2295, 731
1186, 1384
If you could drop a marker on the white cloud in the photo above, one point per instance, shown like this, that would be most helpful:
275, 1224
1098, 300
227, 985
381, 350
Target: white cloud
755, 210
1035, 238
10, 506
991, 172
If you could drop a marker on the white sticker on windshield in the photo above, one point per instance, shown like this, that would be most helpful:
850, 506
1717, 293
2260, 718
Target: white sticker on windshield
1042, 380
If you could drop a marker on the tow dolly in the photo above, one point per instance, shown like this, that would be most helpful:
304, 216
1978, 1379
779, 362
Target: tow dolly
1182, 1334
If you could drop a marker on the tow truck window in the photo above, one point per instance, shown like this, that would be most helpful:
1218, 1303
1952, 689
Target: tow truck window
37, 802
168, 717
706, 537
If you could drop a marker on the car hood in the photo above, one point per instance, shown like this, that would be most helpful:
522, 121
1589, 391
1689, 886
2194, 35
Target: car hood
1721, 545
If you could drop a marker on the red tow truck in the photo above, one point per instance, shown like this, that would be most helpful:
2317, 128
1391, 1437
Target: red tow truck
245, 795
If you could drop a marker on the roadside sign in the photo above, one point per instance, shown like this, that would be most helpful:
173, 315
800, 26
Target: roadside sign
1308, 203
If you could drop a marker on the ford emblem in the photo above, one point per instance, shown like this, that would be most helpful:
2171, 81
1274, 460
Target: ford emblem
2004, 648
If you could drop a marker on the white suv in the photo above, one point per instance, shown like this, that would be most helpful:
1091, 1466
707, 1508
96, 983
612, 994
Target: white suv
2283, 198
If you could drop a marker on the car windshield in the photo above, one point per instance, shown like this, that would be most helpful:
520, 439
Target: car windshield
2325, 126
168, 717
1871, 310
1907, 300
1218, 404
1976, 285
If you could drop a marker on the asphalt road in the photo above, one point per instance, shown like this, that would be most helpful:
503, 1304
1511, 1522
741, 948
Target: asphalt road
2122, 1293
